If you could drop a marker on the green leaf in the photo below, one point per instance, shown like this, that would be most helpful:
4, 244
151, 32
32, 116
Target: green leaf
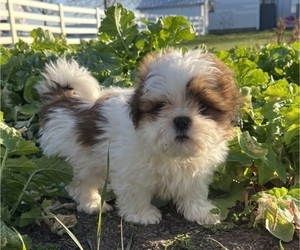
13, 141
41, 36
291, 133
30, 109
29, 217
10, 239
266, 172
30, 93
54, 169
278, 192
226, 202
279, 227
277, 210
177, 29
272, 161
294, 192
119, 25
279, 89
250, 146
21, 164
10, 98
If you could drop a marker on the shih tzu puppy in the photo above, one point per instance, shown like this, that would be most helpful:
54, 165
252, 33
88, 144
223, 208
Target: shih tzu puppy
165, 138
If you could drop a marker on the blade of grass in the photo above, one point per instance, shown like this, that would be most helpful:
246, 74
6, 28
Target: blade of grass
21, 239
73, 237
219, 243
90, 243
103, 195
128, 246
122, 238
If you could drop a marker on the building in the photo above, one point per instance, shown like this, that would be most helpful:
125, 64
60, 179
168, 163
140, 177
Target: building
224, 15
195, 10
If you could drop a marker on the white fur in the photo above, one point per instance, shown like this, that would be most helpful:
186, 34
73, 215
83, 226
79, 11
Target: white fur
69, 72
144, 161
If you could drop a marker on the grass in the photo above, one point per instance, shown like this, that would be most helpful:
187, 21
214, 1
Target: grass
228, 41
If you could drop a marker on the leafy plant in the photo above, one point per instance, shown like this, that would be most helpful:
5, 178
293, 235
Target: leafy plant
267, 142
278, 210
25, 178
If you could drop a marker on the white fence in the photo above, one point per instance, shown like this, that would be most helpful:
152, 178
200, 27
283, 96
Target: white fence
19, 18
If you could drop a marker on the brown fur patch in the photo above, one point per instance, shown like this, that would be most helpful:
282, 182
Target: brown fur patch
135, 101
218, 92
88, 124
139, 109
89, 121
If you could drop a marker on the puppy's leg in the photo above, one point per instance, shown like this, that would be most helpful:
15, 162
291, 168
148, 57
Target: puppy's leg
195, 206
85, 191
134, 205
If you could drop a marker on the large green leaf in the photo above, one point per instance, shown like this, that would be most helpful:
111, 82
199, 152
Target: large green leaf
119, 25
278, 211
177, 29
12, 140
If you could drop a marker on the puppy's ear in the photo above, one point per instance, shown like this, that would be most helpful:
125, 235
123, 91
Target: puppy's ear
135, 104
144, 68
146, 63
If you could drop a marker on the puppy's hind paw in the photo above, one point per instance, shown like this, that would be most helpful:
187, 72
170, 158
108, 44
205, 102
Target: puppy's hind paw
94, 207
150, 216
106, 207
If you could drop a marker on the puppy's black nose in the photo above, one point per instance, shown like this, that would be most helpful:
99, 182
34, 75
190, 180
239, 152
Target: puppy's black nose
182, 122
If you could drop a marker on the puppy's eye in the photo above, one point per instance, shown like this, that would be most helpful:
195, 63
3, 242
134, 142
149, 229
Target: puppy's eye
156, 107
202, 107
160, 105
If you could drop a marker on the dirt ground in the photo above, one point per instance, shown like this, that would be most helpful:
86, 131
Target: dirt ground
174, 232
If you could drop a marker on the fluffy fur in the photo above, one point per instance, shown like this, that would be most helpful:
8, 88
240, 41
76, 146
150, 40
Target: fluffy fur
165, 138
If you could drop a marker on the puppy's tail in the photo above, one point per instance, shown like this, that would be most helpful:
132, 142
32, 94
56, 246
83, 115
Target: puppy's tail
66, 78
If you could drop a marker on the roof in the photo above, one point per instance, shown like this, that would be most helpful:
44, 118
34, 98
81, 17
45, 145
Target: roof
145, 4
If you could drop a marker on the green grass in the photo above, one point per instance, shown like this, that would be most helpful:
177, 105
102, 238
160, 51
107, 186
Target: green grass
228, 41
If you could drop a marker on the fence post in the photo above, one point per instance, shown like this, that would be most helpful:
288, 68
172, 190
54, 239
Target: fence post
98, 18
62, 19
206, 17
12, 21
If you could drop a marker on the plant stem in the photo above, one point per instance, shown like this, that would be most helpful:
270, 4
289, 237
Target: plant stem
119, 33
3, 163
12, 211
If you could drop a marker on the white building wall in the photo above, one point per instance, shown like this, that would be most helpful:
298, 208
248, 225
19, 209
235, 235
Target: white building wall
234, 14
284, 8
185, 11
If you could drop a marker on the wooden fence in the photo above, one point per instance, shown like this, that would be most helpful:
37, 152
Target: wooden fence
19, 18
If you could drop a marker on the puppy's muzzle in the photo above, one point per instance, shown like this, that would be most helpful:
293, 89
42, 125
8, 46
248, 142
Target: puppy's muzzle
181, 124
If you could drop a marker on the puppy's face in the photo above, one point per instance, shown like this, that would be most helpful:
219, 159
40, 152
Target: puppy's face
184, 104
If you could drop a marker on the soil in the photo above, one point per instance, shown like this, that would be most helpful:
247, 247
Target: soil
173, 232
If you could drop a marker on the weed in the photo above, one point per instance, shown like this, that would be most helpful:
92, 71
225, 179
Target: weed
181, 241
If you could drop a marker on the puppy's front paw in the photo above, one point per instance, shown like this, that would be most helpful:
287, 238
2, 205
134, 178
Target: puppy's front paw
93, 207
210, 219
150, 216
201, 213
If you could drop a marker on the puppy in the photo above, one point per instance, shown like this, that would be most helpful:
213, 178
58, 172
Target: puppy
165, 138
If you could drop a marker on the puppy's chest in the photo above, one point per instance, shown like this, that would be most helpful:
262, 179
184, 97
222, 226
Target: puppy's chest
172, 179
